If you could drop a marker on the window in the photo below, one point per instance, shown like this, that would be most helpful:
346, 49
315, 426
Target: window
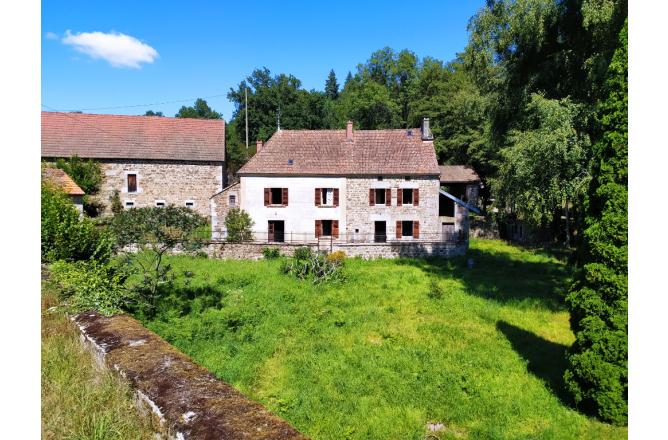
407, 196
129, 204
327, 228
132, 183
379, 232
160, 203
233, 200
326, 197
380, 196
380, 178
276, 196
408, 229
190, 203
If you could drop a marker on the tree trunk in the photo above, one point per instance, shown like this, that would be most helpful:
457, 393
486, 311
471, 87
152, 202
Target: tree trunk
568, 234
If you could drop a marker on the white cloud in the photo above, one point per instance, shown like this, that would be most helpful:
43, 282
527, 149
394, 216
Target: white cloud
51, 36
117, 49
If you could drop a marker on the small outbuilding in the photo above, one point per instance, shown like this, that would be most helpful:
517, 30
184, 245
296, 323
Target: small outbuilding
460, 185
60, 179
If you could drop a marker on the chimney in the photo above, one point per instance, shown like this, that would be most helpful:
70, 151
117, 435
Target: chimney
426, 132
349, 131
258, 145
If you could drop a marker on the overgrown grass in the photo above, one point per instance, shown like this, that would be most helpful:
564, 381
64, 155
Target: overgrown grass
402, 343
79, 402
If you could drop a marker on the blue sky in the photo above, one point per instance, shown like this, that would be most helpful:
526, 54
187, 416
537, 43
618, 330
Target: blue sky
178, 50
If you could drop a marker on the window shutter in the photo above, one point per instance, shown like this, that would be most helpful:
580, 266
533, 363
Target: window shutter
335, 228
317, 196
416, 229
336, 197
318, 228
398, 229
284, 197
388, 197
416, 196
400, 196
372, 197
267, 196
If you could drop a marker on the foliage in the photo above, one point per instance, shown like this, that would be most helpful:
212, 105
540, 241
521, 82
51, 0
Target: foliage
375, 357
336, 257
91, 285
151, 233
87, 173
80, 401
66, 236
331, 86
544, 168
314, 265
271, 252
116, 205
239, 225
597, 375
435, 290
200, 110
152, 113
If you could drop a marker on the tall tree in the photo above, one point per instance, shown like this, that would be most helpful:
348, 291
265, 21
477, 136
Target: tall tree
331, 86
597, 375
200, 110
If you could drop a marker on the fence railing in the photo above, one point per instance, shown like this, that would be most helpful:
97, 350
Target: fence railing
354, 237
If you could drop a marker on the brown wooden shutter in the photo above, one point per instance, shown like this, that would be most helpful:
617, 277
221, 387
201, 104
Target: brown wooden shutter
400, 196
416, 229
388, 197
318, 228
372, 196
267, 196
416, 197
336, 197
317, 196
284, 197
335, 228
398, 229
270, 231
132, 183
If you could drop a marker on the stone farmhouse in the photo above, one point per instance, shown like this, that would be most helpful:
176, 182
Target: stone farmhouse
346, 186
149, 160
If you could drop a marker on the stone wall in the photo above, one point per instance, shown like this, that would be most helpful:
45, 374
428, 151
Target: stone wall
241, 251
361, 216
174, 182
220, 206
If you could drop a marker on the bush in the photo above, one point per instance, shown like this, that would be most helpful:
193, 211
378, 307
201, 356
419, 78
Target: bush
87, 173
271, 252
435, 290
239, 225
67, 237
307, 264
338, 257
116, 205
91, 285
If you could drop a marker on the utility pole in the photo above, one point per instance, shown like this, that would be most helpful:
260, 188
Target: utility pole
246, 108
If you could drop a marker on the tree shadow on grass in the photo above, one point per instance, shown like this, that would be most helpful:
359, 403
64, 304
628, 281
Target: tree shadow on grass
545, 359
500, 277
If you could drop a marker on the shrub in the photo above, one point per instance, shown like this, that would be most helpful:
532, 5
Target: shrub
307, 264
67, 237
87, 173
92, 285
271, 252
435, 290
239, 225
116, 205
338, 257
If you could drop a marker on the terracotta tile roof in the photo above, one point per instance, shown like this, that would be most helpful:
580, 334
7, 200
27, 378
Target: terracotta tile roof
61, 179
458, 174
132, 137
326, 152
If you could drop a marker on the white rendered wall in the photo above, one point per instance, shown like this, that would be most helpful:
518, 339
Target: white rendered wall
301, 213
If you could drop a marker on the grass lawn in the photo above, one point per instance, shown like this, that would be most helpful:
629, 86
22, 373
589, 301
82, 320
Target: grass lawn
78, 401
378, 357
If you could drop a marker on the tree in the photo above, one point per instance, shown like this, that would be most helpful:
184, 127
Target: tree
153, 232
152, 113
239, 225
200, 110
87, 173
544, 168
597, 375
331, 86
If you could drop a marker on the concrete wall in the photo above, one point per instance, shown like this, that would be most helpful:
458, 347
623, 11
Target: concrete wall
361, 216
174, 182
301, 212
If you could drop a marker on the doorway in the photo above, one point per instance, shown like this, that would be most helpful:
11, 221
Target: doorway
380, 232
326, 228
276, 231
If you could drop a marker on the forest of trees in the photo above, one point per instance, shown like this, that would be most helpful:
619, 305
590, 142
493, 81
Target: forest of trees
537, 104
